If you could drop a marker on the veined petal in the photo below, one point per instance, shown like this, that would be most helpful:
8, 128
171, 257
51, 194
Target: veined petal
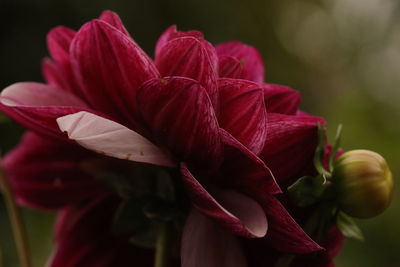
36, 106
243, 113
281, 99
109, 67
172, 33
192, 58
58, 42
46, 174
112, 139
253, 67
230, 67
236, 212
176, 112
290, 145
204, 243
114, 20
242, 169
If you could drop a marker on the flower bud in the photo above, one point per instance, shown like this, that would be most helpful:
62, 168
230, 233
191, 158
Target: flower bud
364, 183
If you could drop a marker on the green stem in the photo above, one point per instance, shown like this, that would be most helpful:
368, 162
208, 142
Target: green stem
17, 224
163, 245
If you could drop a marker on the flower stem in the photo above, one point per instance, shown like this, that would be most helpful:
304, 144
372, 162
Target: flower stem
17, 224
163, 245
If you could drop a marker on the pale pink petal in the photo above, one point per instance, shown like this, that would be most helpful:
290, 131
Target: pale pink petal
236, 212
206, 244
112, 139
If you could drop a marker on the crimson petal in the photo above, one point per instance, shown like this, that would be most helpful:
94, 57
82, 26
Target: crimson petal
176, 112
290, 145
230, 67
253, 67
192, 58
46, 174
114, 20
281, 99
110, 67
58, 42
243, 113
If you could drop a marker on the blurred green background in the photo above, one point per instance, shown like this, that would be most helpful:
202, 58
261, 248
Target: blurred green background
342, 55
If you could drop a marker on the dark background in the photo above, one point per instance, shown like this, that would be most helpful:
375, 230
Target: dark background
343, 55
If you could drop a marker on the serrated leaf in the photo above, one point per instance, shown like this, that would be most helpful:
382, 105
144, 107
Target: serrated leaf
348, 226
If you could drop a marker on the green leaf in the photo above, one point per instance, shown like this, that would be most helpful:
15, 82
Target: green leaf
335, 147
130, 217
348, 226
307, 190
319, 152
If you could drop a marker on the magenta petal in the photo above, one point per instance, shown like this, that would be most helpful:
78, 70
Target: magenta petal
172, 33
112, 139
58, 42
230, 67
290, 146
114, 20
36, 106
243, 113
242, 169
46, 174
253, 67
192, 58
176, 112
281, 99
109, 67
204, 243
236, 212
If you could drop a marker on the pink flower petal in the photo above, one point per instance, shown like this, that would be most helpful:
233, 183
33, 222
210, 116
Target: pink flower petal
114, 20
176, 112
112, 139
290, 146
230, 67
192, 58
253, 67
236, 212
281, 99
36, 106
204, 243
243, 113
58, 42
46, 174
109, 67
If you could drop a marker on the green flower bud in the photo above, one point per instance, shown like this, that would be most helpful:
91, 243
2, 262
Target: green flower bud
363, 182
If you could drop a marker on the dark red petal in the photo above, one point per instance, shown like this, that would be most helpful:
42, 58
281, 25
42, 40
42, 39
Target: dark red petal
227, 207
290, 145
37, 106
114, 20
172, 33
109, 67
46, 174
243, 170
58, 42
281, 99
192, 58
230, 67
243, 113
176, 112
253, 67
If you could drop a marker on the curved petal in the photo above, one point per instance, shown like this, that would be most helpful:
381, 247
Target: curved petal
290, 145
204, 243
176, 112
58, 42
236, 212
112, 139
114, 20
281, 99
230, 67
46, 174
253, 67
36, 106
243, 113
192, 58
172, 33
109, 67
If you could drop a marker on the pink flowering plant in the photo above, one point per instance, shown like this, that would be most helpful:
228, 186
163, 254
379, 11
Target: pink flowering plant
188, 159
